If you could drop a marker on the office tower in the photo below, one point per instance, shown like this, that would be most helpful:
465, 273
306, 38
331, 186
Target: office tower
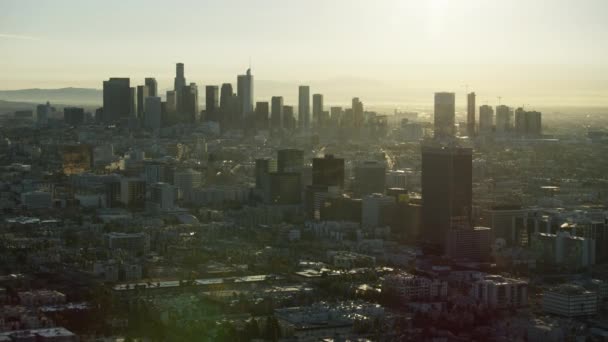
336, 115
289, 120
370, 178
133, 193
446, 189
244, 89
284, 188
171, 102
225, 96
357, 112
189, 106
116, 99
180, 81
212, 103
471, 114
276, 113
73, 116
163, 196
486, 119
132, 102
304, 107
43, 112
261, 115
527, 123
317, 110
153, 115
372, 208
328, 171
290, 160
187, 180
142, 93
534, 123
503, 119
445, 115
152, 85
262, 168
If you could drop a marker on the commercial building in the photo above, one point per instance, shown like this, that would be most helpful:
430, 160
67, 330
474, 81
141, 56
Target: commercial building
446, 189
370, 178
116, 99
570, 301
410, 287
472, 243
304, 107
73, 116
328, 171
499, 292
444, 115
245, 93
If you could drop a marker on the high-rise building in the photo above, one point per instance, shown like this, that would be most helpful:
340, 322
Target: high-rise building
171, 102
73, 116
133, 192
284, 188
328, 171
527, 123
486, 119
142, 93
276, 113
152, 85
357, 112
180, 79
163, 195
226, 105
304, 107
370, 178
189, 103
290, 160
244, 89
503, 119
212, 103
447, 189
445, 115
132, 102
43, 112
261, 115
187, 180
289, 120
471, 114
372, 209
336, 115
116, 99
317, 110
153, 114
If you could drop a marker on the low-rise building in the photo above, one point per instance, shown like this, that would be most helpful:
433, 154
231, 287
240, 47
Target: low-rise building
570, 301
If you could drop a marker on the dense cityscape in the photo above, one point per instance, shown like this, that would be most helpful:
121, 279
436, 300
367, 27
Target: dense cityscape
150, 219
303, 171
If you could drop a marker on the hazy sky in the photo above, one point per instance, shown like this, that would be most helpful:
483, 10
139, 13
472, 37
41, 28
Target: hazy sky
387, 50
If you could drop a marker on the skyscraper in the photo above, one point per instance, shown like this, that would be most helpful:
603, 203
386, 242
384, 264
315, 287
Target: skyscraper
328, 171
370, 178
445, 115
486, 119
226, 109
150, 82
471, 114
447, 189
317, 110
180, 79
503, 119
289, 120
261, 115
212, 104
133, 102
142, 93
189, 110
116, 99
304, 107
357, 112
152, 117
290, 160
244, 90
73, 116
276, 113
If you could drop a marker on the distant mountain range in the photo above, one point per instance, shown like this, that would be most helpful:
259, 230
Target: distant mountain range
68, 96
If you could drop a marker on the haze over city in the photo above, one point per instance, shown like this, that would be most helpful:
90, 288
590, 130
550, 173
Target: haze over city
392, 51
303, 171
